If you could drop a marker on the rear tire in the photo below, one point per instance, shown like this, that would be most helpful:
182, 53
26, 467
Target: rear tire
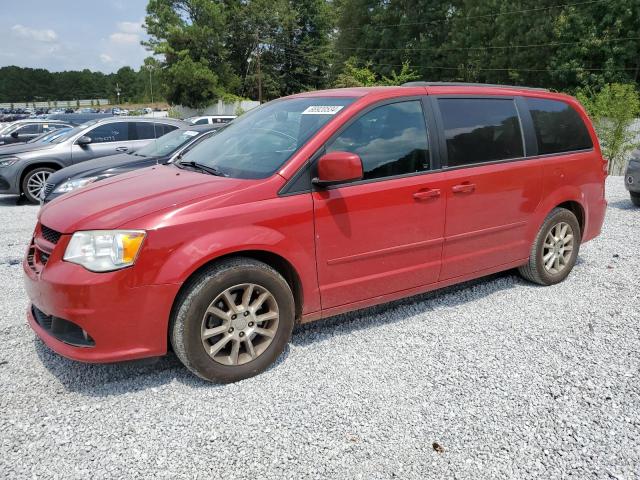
33, 182
233, 320
635, 198
555, 249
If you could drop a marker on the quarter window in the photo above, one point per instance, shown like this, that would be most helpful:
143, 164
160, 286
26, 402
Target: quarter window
558, 127
390, 140
480, 130
110, 132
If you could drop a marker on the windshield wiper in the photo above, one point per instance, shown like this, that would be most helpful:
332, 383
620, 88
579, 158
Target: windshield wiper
204, 168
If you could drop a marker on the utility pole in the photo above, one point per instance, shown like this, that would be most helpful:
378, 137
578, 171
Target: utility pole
259, 79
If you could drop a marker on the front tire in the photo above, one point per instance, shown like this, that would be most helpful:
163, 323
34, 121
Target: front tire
33, 182
635, 198
233, 320
555, 249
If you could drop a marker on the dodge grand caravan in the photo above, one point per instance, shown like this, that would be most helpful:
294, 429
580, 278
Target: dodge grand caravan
310, 206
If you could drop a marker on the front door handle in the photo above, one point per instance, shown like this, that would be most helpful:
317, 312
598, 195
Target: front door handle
121, 149
425, 194
463, 188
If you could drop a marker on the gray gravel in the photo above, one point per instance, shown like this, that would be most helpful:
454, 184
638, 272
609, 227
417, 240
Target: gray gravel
511, 380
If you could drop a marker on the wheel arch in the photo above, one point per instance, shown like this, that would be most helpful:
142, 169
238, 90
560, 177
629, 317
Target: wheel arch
570, 198
39, 164
276, 261
578, 210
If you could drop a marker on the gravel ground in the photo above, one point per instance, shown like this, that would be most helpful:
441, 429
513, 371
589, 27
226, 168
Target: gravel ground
493, 379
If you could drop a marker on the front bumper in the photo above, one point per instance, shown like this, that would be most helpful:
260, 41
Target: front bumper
9, 179
125, 321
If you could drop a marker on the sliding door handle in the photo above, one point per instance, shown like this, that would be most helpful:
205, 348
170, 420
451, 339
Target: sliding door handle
463, 188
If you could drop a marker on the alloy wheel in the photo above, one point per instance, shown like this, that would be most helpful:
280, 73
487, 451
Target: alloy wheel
557, 248
36, 183
240, 324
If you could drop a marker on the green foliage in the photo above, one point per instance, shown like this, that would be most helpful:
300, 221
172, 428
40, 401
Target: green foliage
191, 83
37, 84
284, 46
613, 110
354, 76
563, 46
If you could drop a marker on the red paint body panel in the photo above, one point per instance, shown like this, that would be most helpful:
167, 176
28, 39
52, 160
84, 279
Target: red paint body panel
376, 237
486, 224
350, 246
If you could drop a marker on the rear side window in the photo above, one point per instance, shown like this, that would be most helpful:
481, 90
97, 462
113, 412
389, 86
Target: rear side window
110, 132
390, 139
149, 130
480, 130
559, 128
202, 121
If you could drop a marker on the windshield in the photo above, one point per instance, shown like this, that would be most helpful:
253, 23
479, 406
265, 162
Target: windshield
71, 132
167, 144
49, 136
258, 143
10, 128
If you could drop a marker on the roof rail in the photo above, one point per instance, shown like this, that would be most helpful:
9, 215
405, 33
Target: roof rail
463, 84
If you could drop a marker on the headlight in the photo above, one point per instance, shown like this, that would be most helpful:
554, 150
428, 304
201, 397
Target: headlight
104, 250
70, 185
8, 161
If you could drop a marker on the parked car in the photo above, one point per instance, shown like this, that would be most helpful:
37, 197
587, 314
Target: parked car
210, 119
78, 118
310, 206
164, 150
22, 131
25, 171
632, 178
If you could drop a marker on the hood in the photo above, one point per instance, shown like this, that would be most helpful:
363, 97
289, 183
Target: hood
113, 202
113, 164
16, 148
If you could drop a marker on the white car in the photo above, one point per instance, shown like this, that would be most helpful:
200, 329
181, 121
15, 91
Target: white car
209, 119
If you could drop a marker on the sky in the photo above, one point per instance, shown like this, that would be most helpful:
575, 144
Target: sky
101, 35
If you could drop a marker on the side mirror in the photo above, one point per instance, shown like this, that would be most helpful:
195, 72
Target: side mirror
84, 140
338, 167
15, 134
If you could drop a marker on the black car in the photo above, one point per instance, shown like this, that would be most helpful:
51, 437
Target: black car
632, 178
163, 150
22, 131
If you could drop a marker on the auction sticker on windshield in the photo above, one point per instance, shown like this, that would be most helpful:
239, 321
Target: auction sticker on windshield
322, 110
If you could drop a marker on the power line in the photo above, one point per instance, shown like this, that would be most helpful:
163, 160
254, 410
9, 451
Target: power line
490, 47
474, 17
301, 58
332, 49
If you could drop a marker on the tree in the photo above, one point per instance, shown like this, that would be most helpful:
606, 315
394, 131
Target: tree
354, 76
191, 83
613, 110
277, 47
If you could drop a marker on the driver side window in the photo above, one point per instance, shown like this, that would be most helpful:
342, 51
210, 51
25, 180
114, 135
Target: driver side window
110, 132
390, 139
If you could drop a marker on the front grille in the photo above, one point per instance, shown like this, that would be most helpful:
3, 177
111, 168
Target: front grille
63, 330
49, 234
48, 188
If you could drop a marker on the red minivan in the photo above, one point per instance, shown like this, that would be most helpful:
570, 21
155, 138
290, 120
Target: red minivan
310, 206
